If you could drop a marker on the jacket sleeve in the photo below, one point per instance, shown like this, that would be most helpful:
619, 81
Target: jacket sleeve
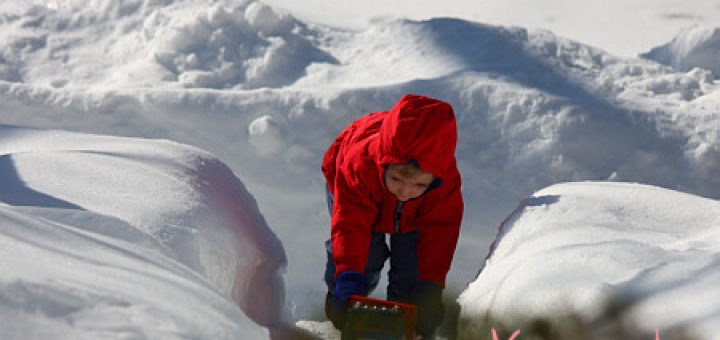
439, 228
352, 217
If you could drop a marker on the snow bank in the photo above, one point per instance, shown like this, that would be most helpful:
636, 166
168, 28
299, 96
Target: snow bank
620, 27
572, 247
533, 108
697, 46
228, 44
109, 237
244, 47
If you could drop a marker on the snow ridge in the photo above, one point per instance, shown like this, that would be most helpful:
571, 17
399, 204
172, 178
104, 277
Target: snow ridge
697, 46
108, 228
575, 247
267, 93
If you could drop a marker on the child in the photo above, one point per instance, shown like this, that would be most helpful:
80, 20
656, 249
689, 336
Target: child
394, 174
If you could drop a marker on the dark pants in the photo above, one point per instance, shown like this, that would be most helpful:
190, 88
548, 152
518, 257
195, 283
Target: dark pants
403, 262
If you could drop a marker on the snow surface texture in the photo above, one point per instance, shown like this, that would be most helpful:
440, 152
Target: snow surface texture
267, 93
621, 27
109, 237
571, 247
694, 47
154, 44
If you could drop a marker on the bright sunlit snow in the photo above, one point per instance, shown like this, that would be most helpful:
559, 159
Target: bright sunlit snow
108, 237
265, 90
621, 27
576, 246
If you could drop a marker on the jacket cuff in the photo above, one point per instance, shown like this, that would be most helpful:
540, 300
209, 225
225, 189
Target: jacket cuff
344, 267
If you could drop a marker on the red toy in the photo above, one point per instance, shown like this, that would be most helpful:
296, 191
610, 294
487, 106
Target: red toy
369, 318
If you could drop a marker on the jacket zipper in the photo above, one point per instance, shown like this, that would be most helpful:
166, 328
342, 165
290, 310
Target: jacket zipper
398, 215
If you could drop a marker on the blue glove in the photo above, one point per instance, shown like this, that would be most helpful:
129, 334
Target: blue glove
350, 283
347, 284
427, 297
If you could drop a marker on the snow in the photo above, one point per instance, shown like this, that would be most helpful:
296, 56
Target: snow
573, 246
694, 47
90, 89
109, 237
623, 28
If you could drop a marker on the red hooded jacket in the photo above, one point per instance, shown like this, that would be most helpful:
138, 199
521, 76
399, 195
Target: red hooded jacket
419, 129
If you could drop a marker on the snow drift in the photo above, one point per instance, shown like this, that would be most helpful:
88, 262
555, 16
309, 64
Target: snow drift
267, 94
109, 237
693, 47
573, 247
230, 44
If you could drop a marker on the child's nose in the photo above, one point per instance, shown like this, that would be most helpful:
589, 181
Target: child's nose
404, 193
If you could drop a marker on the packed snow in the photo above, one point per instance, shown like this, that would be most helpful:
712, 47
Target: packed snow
109, 237
574, 247
265, 93
693, 47
621, 27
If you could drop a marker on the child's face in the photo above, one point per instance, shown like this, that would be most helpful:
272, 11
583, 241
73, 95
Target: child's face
406, 188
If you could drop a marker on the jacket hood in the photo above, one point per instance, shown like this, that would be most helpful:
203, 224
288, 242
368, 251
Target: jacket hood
419, 129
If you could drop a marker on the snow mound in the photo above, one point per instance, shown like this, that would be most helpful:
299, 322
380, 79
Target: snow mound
398, 51
533, 108
697, 46
117, 237
405, 51
571, 247
237, 47
229, 44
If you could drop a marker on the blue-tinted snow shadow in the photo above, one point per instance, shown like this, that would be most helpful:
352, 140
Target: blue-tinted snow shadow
536, 201
14, 191
504, 54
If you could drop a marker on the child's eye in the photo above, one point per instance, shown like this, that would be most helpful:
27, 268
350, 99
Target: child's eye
394, 179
